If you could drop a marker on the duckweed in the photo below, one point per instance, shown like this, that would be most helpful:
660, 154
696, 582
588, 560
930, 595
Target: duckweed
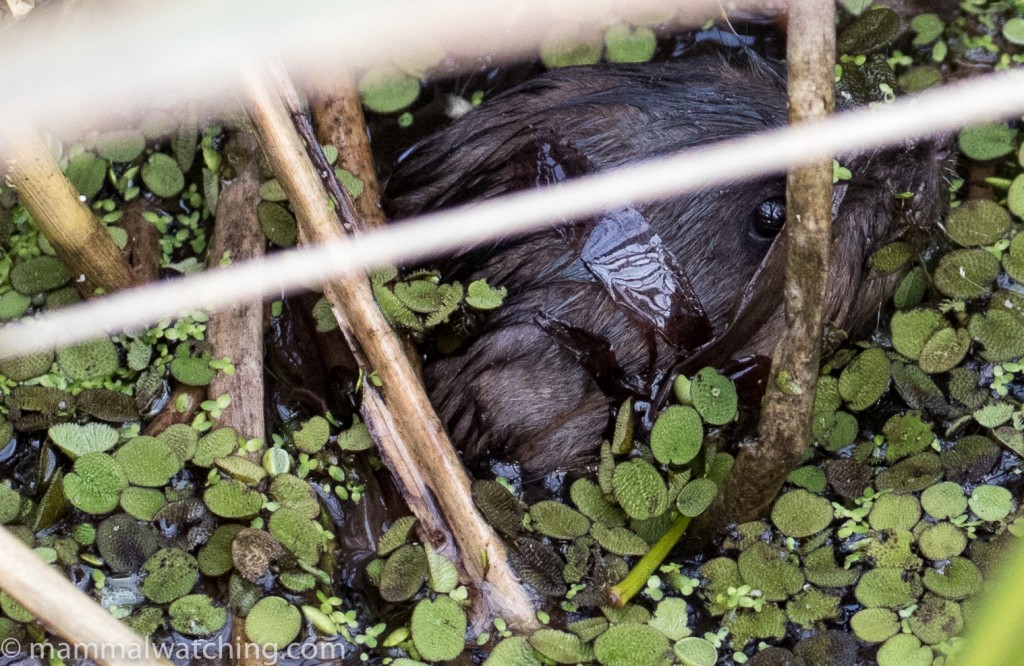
677, 435
632, 645
89, 360
147, 462
313, 434
273, 622
196, 615
229, 498
800, 514
438, 628
39, 274
76, 440
639, 489
170, 574
96, 483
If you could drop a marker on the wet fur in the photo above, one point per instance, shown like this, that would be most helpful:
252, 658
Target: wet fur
514, 392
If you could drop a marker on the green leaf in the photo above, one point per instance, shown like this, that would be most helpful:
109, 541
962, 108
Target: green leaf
163, 176
482, 296
387, 89
677, 435
625, 45
987, 142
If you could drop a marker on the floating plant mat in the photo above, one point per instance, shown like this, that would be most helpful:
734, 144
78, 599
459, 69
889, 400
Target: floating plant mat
876, 550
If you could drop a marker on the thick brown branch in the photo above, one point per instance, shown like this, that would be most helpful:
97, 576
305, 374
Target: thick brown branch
418, 451
339, 121
763, 465
237, 332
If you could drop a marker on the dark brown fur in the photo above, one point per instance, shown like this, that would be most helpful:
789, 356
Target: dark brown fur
515, 392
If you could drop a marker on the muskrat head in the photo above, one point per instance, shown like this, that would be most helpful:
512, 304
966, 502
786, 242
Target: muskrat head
535, 385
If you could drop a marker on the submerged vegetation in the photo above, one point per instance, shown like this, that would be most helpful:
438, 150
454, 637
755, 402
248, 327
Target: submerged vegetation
116, 469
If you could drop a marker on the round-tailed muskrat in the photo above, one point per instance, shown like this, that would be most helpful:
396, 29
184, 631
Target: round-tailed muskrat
609, 302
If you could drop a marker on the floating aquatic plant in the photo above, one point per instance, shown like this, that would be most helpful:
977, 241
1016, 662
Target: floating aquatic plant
96, 483
171, 573
273, 622
438, 628
197, 615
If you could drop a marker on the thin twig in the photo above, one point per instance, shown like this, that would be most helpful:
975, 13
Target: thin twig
762, 466
418, 449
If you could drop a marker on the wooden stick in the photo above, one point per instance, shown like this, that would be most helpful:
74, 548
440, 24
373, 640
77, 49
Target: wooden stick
420, 452
74, 232
785, 429
339, 121
67, 611
237, 331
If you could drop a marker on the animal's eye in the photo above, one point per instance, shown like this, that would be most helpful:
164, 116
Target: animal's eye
768, 217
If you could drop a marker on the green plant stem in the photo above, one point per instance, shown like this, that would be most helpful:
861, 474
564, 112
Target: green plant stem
636, 580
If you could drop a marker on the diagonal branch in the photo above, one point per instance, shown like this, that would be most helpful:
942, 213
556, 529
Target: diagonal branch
417, 451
